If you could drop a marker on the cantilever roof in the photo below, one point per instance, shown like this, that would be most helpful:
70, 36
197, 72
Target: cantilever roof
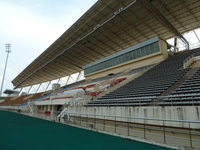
106, 28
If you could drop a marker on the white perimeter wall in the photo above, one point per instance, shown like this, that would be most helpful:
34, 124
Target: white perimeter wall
167, 112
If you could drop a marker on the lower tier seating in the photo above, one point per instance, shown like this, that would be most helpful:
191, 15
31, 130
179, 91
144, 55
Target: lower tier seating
18, 100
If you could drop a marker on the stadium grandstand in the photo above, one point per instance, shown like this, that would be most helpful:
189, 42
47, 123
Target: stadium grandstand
128, 80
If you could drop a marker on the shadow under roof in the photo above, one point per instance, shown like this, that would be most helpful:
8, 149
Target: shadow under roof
106, 28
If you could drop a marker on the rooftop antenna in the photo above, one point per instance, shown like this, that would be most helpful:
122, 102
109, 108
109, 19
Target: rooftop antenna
7, 47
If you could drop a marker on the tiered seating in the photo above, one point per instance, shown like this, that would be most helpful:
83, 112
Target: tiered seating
117, 81
196, 52
140, 69
20, 99
186, 94
88, 86
136, 101
142, 90
73, 84
104, 78
4, 100
103, 86
13, 100
69, 91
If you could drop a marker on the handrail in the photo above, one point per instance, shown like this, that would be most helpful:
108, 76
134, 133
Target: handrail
143, 118
129, 98
133, 128
187, 59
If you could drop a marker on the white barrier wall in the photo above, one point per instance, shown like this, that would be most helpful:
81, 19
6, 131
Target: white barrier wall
168, 112
16, 108
54, 102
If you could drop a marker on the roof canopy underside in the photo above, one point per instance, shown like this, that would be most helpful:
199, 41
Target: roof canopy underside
106, 28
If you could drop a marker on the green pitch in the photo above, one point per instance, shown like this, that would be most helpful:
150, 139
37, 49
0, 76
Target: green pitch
19, 132
1, 98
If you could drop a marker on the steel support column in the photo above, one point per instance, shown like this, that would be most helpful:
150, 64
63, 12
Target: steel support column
38, 88
58, 81
48, 86
20, 90
29, 89
196, 35
175, 45
161, 18
68, 79
79, 74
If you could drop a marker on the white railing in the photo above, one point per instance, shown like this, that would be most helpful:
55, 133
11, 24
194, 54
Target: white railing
150, 129
32, 107
129, 126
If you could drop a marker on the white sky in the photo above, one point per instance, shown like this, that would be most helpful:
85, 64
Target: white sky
31, 26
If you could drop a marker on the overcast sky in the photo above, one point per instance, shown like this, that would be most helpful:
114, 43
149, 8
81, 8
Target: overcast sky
31, 26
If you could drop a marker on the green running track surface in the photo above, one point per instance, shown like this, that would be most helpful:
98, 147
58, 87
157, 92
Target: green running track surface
20, 132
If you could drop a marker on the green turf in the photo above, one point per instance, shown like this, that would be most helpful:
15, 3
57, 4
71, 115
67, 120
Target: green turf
20, 132
1, 98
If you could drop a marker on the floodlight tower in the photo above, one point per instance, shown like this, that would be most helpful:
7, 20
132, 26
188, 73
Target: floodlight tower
7, 47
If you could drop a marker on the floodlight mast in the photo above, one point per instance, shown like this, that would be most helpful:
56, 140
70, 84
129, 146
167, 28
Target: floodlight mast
7, 47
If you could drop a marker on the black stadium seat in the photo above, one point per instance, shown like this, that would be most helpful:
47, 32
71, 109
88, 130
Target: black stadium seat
149, 86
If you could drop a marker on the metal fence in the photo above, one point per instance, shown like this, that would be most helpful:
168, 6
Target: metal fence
175, 132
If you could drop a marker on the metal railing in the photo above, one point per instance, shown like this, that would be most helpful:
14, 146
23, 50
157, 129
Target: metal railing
185, 133
167, 131
187, 59
191, 46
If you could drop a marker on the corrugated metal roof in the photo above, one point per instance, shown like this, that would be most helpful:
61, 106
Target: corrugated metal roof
106, 28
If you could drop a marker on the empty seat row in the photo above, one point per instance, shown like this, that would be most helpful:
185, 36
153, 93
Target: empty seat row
152, 83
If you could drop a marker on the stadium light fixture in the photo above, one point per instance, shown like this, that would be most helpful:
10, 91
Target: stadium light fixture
7, 47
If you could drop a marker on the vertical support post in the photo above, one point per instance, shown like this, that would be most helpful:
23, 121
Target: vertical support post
87, 121
144, 129
48, 86
67, 80
128, 126
38, 88
95, 121
7, 46
164, 134
190, 135
196, 35
104, 123
74, 119
68, 118
80, 120
79, 74
115, 124
187, 46
58, 81
29, 89
175, 45
20, 90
